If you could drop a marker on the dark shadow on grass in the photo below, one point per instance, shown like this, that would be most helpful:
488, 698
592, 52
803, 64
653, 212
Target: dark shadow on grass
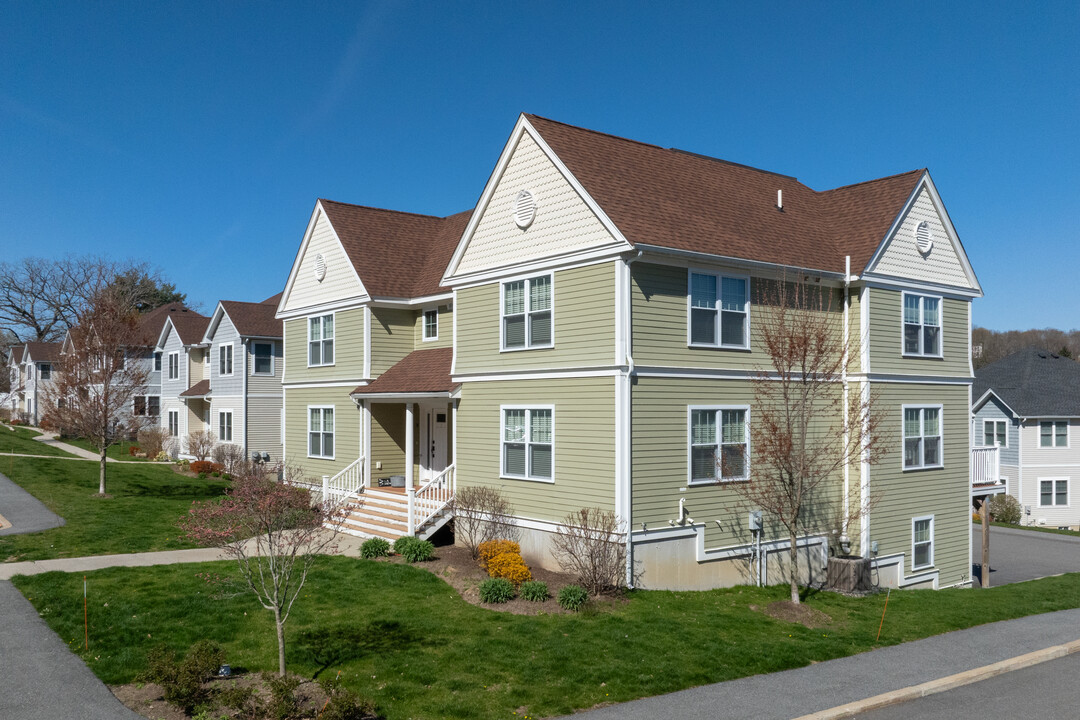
326, 647
174, 490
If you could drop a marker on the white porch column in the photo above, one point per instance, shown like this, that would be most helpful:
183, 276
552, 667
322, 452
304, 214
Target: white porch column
365, 439
409, 440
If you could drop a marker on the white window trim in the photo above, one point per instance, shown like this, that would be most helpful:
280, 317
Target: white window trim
719, 431
1053, 435
307, 347
913, 543
719, 312
273, 364
157, 362
232, 428
922, 421
940, 326
230, 356
169, 422
168, 373
1053, 492
983, 438
333, 433
528, 426
528, 321
423, 325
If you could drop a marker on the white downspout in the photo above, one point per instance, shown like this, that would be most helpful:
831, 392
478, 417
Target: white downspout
844, 540
627, 378
244, 385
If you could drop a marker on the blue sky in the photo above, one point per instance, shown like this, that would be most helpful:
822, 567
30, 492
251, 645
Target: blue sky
197, 136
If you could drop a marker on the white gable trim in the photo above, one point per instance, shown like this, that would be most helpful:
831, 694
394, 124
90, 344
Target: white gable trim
318, 212
215, 320
925, 183
977, 405
163, 336
524, 126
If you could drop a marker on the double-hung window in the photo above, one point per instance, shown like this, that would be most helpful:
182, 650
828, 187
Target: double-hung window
922, 542
526, 313
922, 325
994, 433
719, 310
321, 432
174, 365
1054, 433
1054, 492
321, 340
431, 324
46, 371
225, 358
157, 362
174, 423
922, 437
719, 444
263, 362
153, 405
528, 443
225, 425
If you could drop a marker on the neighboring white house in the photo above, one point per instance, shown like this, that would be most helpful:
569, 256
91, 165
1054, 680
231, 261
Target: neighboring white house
185, 384
1028, 405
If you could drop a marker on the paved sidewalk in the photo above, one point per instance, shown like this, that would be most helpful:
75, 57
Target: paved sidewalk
23, 511
815, 688
49, 438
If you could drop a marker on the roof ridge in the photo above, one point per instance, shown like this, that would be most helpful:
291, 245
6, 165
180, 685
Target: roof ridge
732, 162
595, 132
378, 209
874, 180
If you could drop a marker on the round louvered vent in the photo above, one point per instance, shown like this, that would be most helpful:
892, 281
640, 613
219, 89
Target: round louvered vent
524, 209
924, 237
320, 267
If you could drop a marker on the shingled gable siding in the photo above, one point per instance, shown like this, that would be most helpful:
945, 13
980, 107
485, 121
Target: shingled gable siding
886, 338
340, 282
348, 349
660, 442
446, 328
233, 383
583, 314
346, 429
392, 336
584, 447
659, 313
563, 222
902, 258
944, 493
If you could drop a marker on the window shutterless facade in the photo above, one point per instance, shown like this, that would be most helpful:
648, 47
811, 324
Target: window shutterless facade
225, 418
46, 371
157, 362
431, 325
321, 432
922, 325
174, 423
262, 358
174, 365
528, 443
1054, 433
1053, 492
719, 443
321, 340
526, 313
922, 437
225, 359
922, 542
719, 310
994, 433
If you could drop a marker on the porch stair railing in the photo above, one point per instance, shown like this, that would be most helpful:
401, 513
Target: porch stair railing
431, 498
985, 466
346, 484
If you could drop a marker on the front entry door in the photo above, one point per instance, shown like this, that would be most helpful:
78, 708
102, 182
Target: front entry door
436, 442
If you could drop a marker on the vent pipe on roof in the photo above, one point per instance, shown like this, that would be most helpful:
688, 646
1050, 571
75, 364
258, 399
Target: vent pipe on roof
780, 200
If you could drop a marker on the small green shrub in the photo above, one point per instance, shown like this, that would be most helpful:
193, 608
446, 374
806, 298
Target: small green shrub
344, 704
283, 705
534, 591
573, 597
1005, 508
376, 547
182, 682
202, 476
414, 549
496, 590
242, 700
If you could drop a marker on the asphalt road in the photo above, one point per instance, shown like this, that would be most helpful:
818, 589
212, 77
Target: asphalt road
1048, 691
24, 511
1018, 555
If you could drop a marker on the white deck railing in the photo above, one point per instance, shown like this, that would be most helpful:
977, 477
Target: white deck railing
346, 483
985, 466
430, 498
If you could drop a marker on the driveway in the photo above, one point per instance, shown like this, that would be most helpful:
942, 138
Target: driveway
24, 512
1018, 555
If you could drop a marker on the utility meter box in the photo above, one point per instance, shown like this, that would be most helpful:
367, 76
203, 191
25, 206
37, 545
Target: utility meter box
755, 520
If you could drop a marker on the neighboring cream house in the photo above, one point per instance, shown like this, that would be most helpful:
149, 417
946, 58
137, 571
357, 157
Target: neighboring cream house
586, 337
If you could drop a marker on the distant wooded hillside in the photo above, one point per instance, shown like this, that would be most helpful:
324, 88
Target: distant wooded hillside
988, 346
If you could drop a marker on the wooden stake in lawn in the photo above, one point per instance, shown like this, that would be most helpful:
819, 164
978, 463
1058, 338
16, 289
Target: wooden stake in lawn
887, 594
85, 617
985, 572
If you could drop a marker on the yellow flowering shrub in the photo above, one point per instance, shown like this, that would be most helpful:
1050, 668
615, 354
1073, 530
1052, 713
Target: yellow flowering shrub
510, 566
491, 548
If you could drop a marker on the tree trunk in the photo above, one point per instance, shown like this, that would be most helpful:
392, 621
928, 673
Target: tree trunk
101, 475
280, 641
793, 569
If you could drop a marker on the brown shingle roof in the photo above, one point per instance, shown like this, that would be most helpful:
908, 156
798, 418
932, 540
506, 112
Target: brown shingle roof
396, 254
421, 371
190, 326
16, 354
272, 300
44, 351
198, 390
680, 200
253, 319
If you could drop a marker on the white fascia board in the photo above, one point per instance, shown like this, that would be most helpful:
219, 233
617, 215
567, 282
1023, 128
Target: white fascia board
346, 304
163, 336
700, 257
215, 320
886, 282
524, 126
551, 263
977, 405
390, 302
308, 232
954, 237
394, 397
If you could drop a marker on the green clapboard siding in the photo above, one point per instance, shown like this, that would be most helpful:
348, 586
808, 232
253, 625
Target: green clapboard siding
446, 329
348, 349
886, 338
584, 447
391, 337
583, 317
659, 316
945, 494
346, 429
660, 438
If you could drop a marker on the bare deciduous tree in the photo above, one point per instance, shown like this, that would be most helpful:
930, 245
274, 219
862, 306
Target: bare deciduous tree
589, 544
806, 425
95, 382
200, 443
482, 513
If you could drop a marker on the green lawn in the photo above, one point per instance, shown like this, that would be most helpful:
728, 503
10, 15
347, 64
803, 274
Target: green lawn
116, 452
140, 516
1034, 528
404, 638
20, 441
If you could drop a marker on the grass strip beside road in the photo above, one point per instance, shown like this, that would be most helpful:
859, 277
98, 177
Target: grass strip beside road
406, 639
145, 501
21, 440
1032, 528
119, 451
